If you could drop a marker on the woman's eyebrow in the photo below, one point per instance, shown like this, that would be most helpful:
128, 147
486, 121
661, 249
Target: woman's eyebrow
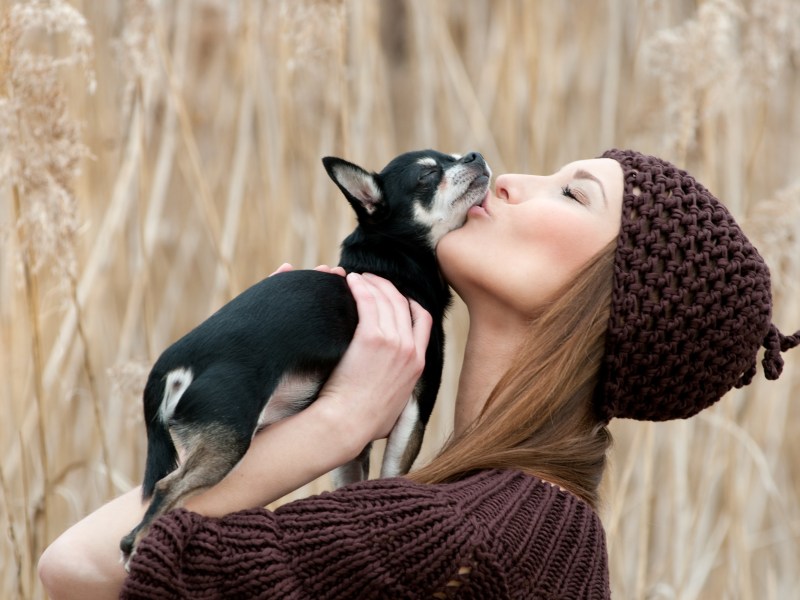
581, 174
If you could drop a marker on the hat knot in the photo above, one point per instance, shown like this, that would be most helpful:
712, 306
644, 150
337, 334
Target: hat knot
775, 343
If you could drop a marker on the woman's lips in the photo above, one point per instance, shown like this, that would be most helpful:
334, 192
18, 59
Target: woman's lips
482, 208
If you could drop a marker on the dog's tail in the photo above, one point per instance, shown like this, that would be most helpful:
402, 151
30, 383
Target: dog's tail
162, 457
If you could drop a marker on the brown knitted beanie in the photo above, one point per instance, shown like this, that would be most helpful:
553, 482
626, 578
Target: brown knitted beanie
691, 304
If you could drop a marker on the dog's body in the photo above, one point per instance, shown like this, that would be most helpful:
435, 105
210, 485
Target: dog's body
266, 354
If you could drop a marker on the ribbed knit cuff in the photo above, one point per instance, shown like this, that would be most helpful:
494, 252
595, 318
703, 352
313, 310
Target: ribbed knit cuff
155, 568
186, 555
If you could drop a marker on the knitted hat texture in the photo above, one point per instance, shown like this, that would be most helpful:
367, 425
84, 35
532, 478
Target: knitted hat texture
691, 303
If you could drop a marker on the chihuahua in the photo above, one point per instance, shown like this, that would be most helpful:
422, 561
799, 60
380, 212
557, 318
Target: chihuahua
267, 353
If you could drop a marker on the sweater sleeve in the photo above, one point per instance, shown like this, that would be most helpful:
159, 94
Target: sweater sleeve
495, 534
378, 539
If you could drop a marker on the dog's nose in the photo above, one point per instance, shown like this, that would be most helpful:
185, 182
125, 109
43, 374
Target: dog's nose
471, 157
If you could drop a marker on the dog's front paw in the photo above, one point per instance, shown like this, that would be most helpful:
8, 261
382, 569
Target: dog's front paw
125, 559
127, 547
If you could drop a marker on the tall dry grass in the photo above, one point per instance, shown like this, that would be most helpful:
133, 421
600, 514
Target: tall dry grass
158, 157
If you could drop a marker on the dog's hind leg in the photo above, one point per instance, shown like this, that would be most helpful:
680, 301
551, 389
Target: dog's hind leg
404, 442
212, 451
355, 470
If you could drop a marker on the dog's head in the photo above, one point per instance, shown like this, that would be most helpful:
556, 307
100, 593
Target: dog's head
420, 195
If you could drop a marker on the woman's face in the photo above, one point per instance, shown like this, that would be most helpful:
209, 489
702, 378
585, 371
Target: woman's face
533, 235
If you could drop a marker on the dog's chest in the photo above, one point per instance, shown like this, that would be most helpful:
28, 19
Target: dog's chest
293, 394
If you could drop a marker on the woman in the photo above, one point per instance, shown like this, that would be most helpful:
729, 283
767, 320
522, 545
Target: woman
626, 290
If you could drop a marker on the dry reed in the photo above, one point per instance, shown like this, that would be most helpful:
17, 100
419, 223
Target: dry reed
156, 158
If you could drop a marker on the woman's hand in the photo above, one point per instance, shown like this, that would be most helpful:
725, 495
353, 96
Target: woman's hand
373, 382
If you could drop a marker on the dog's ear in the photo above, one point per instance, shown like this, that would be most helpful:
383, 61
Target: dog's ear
360, 187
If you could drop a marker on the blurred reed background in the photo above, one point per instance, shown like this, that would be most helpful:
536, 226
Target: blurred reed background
158, 157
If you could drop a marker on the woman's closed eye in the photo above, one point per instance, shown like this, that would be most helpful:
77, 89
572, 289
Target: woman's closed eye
570, 193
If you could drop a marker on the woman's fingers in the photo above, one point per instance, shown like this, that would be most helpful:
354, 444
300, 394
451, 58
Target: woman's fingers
366, 302
285, 267
378, 372
392, 309
334, 270
397, 317
282, 269
422, 322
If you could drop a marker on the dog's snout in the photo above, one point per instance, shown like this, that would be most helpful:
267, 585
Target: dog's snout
471, 157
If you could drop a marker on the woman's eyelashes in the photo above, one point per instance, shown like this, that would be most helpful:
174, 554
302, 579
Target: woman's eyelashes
570, 193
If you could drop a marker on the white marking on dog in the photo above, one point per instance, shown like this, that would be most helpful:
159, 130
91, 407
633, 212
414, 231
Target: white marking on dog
453, 199
456, 156
177, 381
398, 439
290, 397
427, 161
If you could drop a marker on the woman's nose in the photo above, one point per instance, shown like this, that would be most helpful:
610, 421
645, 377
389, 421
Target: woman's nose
519, 187
507, 187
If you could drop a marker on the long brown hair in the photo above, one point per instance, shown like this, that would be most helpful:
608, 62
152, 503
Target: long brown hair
539, 418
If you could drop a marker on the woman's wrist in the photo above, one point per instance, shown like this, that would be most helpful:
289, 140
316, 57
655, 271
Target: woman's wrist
349, 432
282, 458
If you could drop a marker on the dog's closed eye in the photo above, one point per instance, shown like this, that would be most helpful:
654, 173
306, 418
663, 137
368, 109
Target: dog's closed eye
428, 175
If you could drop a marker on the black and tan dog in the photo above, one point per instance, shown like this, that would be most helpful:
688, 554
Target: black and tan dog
266, 354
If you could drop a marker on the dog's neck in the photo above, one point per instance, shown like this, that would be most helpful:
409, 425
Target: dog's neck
414, 271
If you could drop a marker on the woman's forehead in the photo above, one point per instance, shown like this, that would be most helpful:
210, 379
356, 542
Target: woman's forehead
596, 166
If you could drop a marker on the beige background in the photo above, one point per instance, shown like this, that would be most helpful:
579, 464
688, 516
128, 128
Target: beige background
156, 159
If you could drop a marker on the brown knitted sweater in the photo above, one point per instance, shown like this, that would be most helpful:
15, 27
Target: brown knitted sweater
496, 534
